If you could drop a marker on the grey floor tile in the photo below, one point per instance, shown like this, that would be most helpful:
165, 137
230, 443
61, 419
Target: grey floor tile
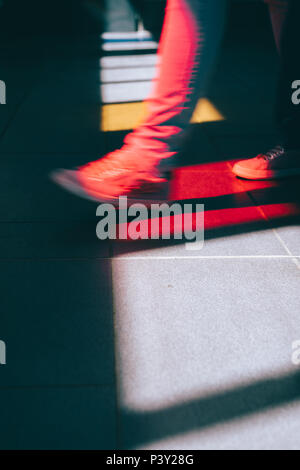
30, 71
58, 419
63, 106
7, 112
56, 322
279, 201
29, 195
16, 89
190, 330
255, 243
67, 87
290, 235
60, 127
51, 240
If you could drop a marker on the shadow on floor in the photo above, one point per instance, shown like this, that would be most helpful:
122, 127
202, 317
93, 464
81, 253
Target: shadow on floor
199, 414
57, 390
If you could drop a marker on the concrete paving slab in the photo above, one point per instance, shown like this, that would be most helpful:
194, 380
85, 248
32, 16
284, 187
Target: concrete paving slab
29, 195
62, 240
56, 322
187, 331
80, 418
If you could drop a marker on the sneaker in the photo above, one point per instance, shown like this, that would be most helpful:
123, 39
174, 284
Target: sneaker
117, 174
274, 164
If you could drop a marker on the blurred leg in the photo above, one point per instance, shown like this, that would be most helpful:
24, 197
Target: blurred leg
285, 19
283, 160
190, 40
191, 36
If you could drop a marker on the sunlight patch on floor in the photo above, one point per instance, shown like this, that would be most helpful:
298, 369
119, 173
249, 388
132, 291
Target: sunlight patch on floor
206, 112
122, 116
126, 116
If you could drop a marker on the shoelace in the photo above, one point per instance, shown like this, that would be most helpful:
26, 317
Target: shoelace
274, 153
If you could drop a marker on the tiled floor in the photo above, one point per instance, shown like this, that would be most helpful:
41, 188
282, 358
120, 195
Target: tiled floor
144, 344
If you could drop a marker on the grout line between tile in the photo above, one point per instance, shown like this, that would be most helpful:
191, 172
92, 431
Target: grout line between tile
247, 257
295, 259
122, 257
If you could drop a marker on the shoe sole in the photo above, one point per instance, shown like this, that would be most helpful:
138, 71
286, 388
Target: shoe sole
244, 173
68, 181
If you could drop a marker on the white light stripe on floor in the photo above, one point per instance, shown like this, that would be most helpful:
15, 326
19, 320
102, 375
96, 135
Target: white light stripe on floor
126, 35
125, 92
117, 75
129, 46
128, 61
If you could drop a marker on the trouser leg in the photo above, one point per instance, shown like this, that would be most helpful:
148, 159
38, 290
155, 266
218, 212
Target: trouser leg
191, 37
285, 20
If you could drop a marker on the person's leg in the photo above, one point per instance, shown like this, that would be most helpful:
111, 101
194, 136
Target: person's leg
190, 40
285, 19
191, 36
284, 159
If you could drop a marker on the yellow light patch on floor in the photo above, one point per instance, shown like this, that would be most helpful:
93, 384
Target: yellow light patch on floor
206, 112
126, 116
121, 117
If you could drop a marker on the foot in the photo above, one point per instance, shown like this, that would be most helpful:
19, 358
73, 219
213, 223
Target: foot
275, 164
118, 174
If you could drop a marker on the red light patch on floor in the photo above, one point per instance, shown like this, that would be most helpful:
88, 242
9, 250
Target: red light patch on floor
229, 202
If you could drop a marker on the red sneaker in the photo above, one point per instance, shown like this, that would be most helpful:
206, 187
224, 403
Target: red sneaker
117, 174
275, 164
